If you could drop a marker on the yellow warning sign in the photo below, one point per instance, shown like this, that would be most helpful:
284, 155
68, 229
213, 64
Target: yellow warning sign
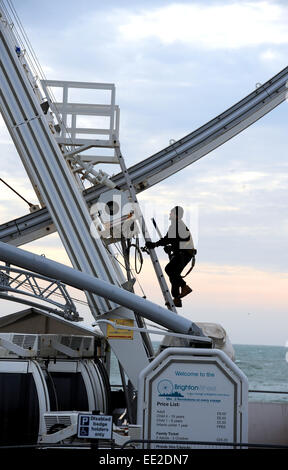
115, 333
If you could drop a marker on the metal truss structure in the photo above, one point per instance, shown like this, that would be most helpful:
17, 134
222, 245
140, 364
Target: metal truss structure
40, 288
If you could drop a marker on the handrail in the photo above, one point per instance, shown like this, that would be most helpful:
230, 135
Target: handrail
85, 446
203, 443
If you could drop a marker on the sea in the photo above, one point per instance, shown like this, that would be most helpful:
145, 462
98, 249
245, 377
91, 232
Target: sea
266, 368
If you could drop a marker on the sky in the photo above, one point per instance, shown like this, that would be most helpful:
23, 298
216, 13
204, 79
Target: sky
176, 65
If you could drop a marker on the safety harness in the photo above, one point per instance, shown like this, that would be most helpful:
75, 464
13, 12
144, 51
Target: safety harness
193, 260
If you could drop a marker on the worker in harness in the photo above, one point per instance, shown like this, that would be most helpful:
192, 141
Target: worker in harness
178, 243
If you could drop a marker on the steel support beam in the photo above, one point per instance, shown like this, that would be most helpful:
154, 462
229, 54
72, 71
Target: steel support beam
52, 269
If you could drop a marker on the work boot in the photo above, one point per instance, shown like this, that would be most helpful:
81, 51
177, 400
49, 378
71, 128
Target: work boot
185, 290
177, 302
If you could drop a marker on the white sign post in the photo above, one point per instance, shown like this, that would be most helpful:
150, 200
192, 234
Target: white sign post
193, 395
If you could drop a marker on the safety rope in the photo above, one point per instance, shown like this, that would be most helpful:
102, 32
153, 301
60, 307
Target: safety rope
16, 192
192, 266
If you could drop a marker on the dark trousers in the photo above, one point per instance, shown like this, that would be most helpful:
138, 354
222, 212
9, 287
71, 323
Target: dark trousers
174, 269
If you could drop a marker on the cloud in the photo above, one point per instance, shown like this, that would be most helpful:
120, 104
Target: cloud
270, 55
221, 26
247, 181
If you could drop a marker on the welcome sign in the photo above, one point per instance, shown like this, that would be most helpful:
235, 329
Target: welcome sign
194, 395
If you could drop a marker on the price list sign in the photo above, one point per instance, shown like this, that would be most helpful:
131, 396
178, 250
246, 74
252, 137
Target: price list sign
193, 399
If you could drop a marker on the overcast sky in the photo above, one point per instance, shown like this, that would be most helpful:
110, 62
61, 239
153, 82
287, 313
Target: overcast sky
177, 65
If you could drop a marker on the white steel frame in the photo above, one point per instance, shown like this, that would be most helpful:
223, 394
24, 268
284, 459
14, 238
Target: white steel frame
66, 110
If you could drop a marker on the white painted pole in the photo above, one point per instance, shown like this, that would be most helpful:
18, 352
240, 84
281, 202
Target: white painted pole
156, 313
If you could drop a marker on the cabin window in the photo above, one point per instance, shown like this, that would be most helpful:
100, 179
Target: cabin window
19, 409
67, 392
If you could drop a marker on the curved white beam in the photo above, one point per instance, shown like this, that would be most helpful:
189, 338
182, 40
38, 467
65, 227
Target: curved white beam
169, 160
